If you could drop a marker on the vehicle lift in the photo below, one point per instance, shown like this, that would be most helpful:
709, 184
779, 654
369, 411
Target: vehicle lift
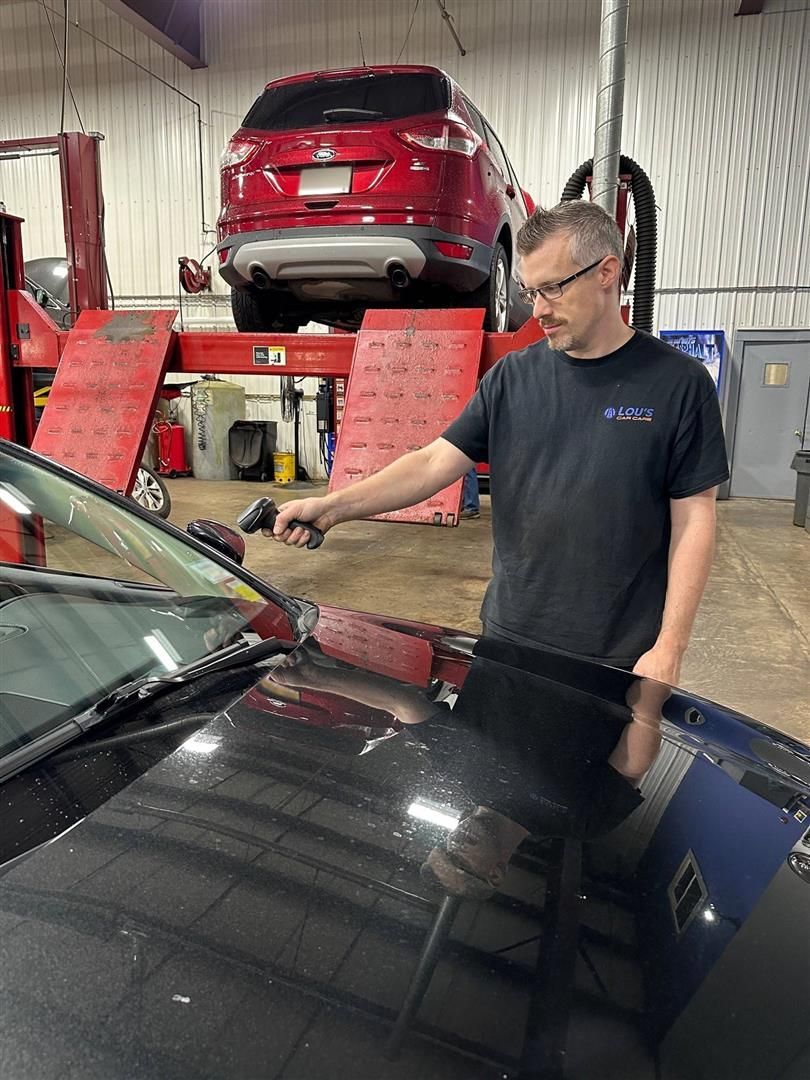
409, 375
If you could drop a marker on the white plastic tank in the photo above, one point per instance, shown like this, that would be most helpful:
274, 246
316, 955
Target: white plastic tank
215, 404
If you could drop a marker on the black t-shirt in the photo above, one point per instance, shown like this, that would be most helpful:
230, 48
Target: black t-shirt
584, 457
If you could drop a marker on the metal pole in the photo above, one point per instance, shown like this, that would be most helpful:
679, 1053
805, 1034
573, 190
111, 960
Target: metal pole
429, 958
609, 104
448, 18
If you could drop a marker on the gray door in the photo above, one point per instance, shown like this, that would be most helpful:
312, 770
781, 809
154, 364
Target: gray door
774, 384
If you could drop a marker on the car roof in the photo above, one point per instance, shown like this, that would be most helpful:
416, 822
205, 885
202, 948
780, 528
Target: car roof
356, 72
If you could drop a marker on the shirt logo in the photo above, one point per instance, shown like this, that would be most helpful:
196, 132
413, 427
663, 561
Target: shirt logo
629, 412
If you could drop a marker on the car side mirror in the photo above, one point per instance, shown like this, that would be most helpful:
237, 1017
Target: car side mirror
220, 537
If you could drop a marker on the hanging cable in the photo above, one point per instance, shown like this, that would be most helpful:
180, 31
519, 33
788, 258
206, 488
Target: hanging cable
102, 226
110, 293
410, 27
59, 55
287, 398
203, 225
64, 71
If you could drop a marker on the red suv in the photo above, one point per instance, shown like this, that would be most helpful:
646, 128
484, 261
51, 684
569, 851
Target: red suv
367, 187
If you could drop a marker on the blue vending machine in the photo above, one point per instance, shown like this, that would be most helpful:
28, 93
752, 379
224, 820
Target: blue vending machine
708, 346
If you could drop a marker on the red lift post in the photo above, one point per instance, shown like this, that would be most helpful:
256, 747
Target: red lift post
82, 210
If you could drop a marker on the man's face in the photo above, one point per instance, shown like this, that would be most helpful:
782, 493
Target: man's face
570, 320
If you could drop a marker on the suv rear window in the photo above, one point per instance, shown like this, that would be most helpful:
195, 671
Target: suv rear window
361, 99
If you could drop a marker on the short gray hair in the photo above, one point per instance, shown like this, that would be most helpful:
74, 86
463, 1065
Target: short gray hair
593, 234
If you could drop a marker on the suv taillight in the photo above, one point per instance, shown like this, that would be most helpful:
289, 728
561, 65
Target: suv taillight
237, 151
457, 138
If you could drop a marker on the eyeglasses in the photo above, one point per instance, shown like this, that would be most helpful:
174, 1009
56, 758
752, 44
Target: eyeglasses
555, 291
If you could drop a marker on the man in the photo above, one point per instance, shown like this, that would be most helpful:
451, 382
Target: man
470, 496
605, 450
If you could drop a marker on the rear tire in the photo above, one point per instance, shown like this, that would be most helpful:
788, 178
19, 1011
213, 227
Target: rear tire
259, 313
494, 293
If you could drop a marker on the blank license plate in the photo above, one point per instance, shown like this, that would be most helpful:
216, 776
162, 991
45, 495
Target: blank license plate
334, 180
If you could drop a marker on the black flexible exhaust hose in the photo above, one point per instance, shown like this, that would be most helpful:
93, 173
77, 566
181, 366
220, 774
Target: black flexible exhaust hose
646, 234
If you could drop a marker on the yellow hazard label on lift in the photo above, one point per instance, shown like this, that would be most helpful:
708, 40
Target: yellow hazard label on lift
267, 356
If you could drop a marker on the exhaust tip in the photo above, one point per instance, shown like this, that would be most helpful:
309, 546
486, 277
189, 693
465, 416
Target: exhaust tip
260, 279
398, 276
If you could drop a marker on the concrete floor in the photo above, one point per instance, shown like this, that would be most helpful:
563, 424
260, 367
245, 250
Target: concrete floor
751, 645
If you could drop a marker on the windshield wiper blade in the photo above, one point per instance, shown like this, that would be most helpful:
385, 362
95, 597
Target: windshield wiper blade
239, 655
140, 691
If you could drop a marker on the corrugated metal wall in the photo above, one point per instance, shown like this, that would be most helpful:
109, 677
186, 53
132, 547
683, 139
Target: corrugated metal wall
717, 112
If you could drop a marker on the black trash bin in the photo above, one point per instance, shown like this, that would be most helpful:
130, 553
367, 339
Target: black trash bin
801, 465
251, 445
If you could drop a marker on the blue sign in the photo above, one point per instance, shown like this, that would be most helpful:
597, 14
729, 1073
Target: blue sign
708, 346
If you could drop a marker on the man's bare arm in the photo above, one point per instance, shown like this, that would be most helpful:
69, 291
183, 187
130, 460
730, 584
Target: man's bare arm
405, 482
691, 549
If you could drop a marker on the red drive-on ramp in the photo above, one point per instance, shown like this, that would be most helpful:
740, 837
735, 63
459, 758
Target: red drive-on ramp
412, 374
104, 394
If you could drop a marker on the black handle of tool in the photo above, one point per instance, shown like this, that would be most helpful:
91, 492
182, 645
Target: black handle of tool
262, 514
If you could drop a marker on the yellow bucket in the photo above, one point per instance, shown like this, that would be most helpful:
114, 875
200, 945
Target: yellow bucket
283, 468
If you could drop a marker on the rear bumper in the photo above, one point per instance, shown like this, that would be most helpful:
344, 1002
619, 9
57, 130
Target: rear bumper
365, 252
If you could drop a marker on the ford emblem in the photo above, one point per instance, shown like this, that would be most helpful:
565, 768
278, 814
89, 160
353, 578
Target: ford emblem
324, 154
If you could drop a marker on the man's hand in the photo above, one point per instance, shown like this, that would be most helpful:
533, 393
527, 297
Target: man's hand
662, 662
316, 511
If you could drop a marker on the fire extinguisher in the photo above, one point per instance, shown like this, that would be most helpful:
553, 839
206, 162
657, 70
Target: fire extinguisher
171, 449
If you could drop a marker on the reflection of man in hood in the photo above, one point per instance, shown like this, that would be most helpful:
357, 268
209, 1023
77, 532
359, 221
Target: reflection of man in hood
532, 754
536, 757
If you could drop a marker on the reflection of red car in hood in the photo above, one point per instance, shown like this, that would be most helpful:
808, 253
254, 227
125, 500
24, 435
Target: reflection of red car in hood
310, 688
332, 721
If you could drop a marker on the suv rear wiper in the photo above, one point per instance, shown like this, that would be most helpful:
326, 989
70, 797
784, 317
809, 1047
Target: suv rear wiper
352, 114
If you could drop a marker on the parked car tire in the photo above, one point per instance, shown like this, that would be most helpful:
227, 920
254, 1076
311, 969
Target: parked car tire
254, 313
494, 294
151, 493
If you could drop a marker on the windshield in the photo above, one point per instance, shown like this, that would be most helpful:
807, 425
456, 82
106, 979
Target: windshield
366, 98
94, 594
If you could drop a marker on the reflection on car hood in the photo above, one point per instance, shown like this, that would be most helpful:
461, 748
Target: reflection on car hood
245, 896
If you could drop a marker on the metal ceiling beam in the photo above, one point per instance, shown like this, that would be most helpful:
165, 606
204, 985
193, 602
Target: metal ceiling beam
749, 7
176, 25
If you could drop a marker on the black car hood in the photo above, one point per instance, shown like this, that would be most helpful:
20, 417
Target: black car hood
240, 895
